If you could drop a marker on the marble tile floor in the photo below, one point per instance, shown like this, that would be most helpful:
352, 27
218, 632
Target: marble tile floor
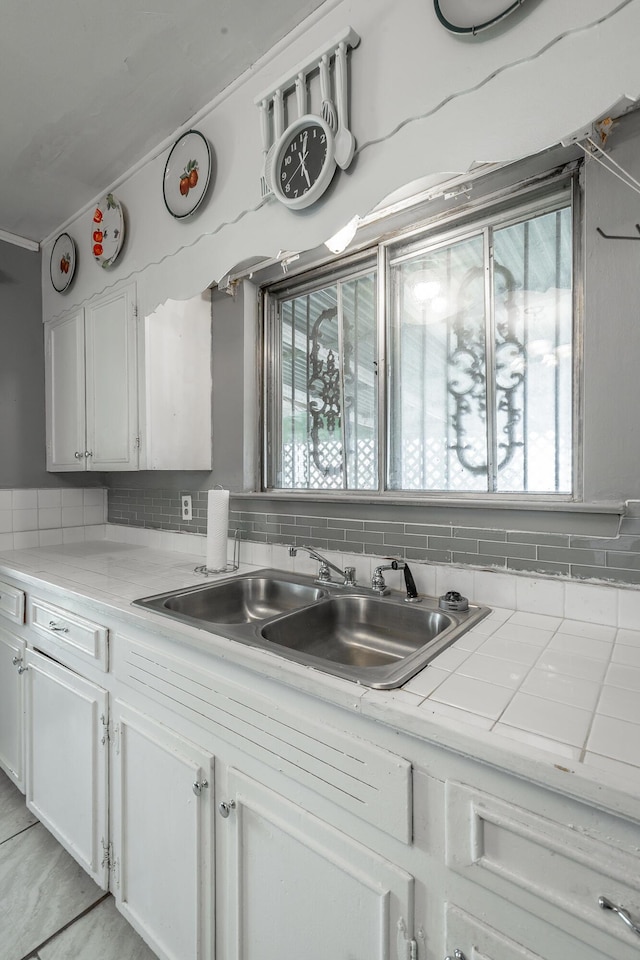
50, 909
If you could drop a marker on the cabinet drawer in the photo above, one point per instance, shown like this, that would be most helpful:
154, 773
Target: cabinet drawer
474, 939
63, 632
11, 603
554, 871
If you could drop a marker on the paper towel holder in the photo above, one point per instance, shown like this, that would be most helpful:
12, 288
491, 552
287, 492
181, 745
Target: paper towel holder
229, 567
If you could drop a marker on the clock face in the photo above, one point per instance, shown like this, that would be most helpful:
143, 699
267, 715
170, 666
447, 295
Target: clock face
303, 162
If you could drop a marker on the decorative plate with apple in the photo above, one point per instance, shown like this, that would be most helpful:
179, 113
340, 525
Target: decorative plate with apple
107, 230
187, 174
62, 265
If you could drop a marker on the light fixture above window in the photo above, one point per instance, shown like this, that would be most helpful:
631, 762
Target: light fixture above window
341, 240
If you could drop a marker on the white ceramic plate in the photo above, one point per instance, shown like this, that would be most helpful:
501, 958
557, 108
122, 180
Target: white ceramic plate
62, 265
107, 230
186, 174
471, 16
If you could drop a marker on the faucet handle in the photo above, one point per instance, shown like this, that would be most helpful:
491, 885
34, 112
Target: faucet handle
377, 580
350, 576
324, 573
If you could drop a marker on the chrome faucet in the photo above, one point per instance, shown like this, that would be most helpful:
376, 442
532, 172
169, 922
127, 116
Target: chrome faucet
378, 582
324, 576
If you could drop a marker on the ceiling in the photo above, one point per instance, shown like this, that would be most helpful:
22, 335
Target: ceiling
88, 88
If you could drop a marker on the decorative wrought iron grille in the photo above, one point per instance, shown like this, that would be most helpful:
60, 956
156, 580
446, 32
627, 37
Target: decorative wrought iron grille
478, 378
328, 416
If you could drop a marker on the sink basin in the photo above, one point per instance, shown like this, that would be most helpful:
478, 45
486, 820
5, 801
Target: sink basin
241, 600
380, 642
358, 631
352, 633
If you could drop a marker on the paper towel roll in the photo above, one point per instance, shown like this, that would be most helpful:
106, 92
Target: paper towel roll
217, 529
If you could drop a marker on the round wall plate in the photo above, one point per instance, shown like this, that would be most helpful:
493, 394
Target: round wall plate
186, 174
62, 265
107, 230
471, 16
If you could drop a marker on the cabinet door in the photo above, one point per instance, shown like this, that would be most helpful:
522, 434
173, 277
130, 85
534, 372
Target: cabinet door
162, 839
67, 759
111, 382
12, 707
64, 384
175, 386
295, 886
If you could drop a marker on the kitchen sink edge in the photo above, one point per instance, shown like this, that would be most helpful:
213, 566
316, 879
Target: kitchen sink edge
261, 633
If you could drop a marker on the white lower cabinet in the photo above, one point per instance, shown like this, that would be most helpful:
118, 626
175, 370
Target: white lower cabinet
12, 650
286, 884
234, 819
470, 939
291, 885
67, 760
540, 879
162, 842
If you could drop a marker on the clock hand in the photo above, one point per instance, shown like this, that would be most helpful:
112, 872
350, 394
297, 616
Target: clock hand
305, 172
302, 157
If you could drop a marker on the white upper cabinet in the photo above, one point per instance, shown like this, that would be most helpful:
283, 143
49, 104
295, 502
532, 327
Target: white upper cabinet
64, 384
125, 393
111, 382
175, 389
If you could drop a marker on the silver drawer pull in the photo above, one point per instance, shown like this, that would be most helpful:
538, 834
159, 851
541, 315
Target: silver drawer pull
22, 670
623, 914
56, 628
199, 786
16, 660
457, 955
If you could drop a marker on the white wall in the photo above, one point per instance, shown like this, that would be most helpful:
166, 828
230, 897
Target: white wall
423, 102
612, 324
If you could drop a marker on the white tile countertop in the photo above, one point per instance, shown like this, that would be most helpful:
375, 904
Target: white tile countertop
522, 689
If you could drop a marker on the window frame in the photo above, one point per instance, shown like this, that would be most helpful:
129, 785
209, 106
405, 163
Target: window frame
494, 210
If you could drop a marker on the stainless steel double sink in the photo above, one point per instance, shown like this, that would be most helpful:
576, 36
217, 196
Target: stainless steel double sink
378, 641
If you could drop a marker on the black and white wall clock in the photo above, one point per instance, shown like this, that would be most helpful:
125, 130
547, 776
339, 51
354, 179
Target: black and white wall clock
472, 16
299, 161
303, 162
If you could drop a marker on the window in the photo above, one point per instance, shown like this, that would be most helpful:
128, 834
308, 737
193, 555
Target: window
475, 395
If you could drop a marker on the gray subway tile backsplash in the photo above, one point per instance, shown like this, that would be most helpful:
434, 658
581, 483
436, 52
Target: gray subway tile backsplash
568, 548
495, 548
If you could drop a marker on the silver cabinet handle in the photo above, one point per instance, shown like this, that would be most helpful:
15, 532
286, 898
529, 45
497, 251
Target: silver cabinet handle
623, 914
17, 662
78, 455
88, 453
225, 807
199, 786
56, 628
457, 955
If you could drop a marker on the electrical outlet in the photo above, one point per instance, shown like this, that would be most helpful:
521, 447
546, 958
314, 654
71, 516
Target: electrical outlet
185, 503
